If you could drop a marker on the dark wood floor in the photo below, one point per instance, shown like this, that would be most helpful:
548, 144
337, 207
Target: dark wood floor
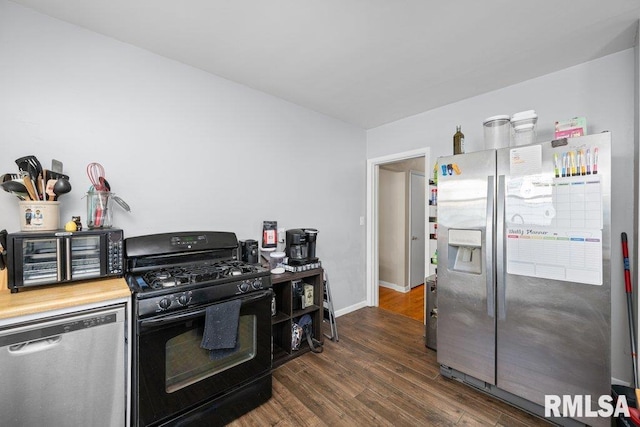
378, 374
410, 304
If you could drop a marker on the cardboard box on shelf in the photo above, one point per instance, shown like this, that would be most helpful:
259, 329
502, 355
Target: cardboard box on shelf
576, 126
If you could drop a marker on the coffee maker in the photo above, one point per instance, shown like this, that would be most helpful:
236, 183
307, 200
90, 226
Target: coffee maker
249, 251
301, 246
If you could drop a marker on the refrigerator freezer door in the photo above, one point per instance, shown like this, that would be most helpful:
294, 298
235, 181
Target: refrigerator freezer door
553, 296
466, 293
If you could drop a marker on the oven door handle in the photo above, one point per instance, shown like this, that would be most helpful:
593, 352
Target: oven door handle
146, 323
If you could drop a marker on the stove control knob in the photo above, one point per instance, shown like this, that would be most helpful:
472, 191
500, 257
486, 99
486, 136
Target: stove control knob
164, 303
184, 299
257, 284
244, 286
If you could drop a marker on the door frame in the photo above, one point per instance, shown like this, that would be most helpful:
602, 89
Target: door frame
371, 262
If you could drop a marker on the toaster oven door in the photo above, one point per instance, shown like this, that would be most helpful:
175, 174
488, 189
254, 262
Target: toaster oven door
36, 261
83, 256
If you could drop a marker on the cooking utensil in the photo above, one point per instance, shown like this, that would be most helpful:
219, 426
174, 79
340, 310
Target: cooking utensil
10, 177
99, 211
34, 176
23, 165
49, 189
62, 186
28, 183
17, 189
33, 160
40, 187
95, 172
17, 186
57, 175
43, 183
56, 165
31, 165
104, 184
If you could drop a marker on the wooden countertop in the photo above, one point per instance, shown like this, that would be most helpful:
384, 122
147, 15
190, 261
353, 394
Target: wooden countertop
46, 298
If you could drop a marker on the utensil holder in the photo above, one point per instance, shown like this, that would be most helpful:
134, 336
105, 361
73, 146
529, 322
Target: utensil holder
99, 211
39, 216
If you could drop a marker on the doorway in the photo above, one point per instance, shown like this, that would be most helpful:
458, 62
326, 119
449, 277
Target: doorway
417, 234
375, 203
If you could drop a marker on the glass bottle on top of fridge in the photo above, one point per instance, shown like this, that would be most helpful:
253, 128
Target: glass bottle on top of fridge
458, 141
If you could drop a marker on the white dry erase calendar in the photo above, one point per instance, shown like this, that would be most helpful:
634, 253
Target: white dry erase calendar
553, 225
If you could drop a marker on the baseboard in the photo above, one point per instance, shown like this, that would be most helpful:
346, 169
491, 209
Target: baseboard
394, 286
351, 308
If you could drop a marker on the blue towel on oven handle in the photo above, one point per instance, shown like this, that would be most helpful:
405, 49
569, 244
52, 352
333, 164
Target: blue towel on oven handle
221, 326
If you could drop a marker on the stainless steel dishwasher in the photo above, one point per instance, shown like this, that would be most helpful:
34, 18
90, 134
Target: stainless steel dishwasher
67, 370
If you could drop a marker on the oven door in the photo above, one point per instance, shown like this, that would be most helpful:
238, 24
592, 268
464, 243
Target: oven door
84, 256
35, 261
172, 373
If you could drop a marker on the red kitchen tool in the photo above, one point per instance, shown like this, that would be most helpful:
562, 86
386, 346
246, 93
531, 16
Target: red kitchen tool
95, 172
634, 414
629, 291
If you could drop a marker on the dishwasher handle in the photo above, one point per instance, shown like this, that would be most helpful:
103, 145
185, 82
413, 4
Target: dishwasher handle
13, 338
34, 346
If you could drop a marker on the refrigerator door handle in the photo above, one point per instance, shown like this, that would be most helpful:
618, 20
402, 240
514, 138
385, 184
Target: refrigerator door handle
500, 250
489, 252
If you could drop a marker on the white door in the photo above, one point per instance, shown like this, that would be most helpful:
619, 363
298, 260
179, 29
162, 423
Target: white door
417, 228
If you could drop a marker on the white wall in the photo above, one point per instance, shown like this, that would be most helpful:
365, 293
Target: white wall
392, 211
601, 90
186, 149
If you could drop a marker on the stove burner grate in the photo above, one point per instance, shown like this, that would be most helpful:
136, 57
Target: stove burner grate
197, 273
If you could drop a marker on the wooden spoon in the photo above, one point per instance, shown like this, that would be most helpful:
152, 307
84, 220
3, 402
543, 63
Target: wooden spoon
28, 183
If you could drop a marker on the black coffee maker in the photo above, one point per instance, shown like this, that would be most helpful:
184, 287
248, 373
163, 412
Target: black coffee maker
301, 246
249, 251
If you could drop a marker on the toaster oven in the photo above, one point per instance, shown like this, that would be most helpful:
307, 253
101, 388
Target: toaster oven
45, 258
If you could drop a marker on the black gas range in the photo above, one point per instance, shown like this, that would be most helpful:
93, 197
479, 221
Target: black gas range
178, 282
175, 271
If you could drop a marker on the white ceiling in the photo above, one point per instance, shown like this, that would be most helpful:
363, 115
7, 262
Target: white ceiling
366, 62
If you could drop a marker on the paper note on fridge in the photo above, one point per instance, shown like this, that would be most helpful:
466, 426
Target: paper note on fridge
560, 254
525, 160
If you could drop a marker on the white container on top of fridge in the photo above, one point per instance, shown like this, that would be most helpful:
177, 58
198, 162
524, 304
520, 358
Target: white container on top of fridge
524, 272
523, 128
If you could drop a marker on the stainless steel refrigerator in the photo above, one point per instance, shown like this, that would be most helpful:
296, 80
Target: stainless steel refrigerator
524, 245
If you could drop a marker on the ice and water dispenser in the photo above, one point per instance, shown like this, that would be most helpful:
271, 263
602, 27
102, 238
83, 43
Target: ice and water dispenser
464, 255
465, 251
